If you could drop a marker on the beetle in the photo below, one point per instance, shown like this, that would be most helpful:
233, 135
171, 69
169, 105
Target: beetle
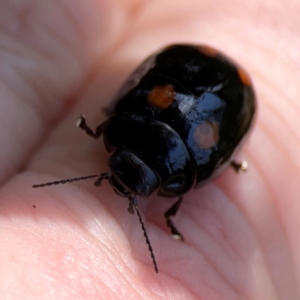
176, 123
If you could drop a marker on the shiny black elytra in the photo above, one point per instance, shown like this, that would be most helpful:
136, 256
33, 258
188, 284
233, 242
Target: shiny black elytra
178, 121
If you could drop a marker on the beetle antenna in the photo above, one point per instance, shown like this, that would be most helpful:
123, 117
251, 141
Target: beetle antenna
69, 180
133, 203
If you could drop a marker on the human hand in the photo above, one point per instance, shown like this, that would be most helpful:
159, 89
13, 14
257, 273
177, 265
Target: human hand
63, 58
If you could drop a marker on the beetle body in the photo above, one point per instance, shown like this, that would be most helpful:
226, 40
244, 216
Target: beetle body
184, 113
177, 122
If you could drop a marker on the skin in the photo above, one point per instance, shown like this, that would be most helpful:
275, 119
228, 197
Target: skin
76, 241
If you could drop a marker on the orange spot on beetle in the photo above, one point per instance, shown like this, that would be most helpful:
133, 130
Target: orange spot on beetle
244, 77
161, 96
207, 134
208, 51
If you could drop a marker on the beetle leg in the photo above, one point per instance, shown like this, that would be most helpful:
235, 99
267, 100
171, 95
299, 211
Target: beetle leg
172, 212
81, 123
239, 167
101, 177
131, 204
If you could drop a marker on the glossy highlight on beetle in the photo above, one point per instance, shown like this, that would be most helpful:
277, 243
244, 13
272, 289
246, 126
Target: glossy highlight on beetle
177, 122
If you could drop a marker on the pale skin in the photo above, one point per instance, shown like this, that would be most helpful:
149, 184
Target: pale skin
77, 241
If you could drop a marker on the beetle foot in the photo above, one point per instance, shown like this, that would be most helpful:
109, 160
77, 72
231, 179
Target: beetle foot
239, 167
176, 235
130, 207
172, 212
81, 123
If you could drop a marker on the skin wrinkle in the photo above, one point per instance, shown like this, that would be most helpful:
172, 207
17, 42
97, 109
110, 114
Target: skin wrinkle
283, 150
219, 273
70, 11
97, 285
268, 133
10, 89
199, 225
56, 37
209, 236
187, 243
290, 132
60, 40
18, 131
191, 292
214, 216
71, 246
267, 266
12, 54
134, 287
39, 87
115, 290
15, 131
12, 162
216, 270
8, 46
260, 172
249, 221
289, 102
225, 281
82, 286
278, 214
23, 78
25, 16
157, 228
107, 235
18, 14
254, 42
99, 225
144, 246
265, 83
72, 20
110, 257
173, 277
275, 137
157, 288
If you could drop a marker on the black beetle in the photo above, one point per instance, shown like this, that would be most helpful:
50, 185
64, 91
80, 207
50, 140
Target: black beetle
178, 121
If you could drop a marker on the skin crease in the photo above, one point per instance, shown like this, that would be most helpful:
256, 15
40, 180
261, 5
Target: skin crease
63, 58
